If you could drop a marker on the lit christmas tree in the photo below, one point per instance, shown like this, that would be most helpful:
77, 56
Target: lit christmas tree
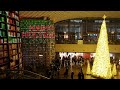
114, 71
88, 71
101, 66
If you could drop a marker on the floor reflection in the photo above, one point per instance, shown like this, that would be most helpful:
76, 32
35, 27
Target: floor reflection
76, 68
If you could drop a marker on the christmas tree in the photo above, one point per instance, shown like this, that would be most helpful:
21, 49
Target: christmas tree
88, 71
101, 66
114, 71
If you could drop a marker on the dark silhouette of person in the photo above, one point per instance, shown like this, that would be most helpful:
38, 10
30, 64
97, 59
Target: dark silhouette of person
66, 73
48, 72
80, 74
63, 60
58, 73
72, 75
75, 59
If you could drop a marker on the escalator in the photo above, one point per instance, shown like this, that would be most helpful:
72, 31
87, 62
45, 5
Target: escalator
24, 74
16, 73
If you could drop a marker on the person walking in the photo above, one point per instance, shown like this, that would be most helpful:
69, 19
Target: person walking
72, 75
80, 74
66, 73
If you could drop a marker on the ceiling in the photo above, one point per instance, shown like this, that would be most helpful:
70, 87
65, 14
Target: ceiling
63, 15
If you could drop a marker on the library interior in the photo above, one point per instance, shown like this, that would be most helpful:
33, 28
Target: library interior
59, 44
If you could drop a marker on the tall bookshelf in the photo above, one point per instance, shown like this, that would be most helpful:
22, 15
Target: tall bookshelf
36, 47
4, 61
10, 40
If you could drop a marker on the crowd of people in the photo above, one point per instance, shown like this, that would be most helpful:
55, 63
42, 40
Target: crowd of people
65, 62
68, 60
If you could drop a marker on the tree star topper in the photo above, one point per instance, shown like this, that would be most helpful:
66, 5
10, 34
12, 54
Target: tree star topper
104, 17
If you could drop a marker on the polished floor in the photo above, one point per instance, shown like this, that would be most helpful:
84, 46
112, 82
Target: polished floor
76, 69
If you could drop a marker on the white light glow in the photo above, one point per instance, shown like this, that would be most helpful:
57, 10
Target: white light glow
40, 55
70, 53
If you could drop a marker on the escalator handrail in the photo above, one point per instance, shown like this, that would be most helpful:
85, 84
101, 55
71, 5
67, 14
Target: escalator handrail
17, 65
31, 73
37, 74
25, 71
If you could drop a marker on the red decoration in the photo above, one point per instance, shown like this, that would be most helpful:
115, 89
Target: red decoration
86, 55
35, 35
37, 27
42, 28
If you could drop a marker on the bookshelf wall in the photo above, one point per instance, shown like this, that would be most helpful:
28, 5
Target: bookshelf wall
10, 40
38, 41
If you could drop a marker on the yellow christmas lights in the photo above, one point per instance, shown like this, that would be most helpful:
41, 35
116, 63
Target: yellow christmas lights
101, 66
88, 71
114, 71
